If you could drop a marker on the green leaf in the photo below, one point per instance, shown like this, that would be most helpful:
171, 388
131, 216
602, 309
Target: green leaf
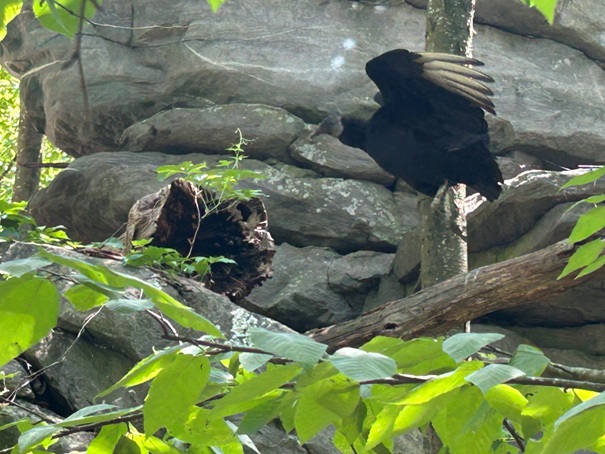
546, 7
292, 346
8, 10
183, 315
546, 404
215, 4
62, 15
127, 446
579, 427
598, 263
174, 392
589, 223
172, 308
360, 366
492, 375
240, 397
84, 418
35, 436
442, 384
597, 401
126, 306
259, 416
585, 178
22, 266
311, 418
418, 356
84, 298
415, 416
336, 393
506, 400
145, 370
530, 360
107, 438
585, 255
91, 410
29, 309
157, 446
382, 427
461, 346
467, 424
252, 361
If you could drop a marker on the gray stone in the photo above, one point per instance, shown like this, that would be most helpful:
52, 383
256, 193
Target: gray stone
313, 287
71, 364
357, 274
298, 294
329, 157
270, 131
345, 215
589, 338
511, 168
525, 199
577, 23
550, 93
389, 289
93, 196
554, 226
15, 380
501, 133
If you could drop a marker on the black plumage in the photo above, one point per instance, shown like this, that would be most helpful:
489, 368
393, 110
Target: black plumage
430, 128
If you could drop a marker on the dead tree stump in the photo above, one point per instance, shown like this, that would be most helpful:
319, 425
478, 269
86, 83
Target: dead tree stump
194, 222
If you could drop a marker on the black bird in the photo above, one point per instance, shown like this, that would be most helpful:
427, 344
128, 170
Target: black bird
430, 128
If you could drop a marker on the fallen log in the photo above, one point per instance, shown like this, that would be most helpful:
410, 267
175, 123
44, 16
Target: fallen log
529, 279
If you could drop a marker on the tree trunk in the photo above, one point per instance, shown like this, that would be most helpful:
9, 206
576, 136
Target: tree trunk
27, 179
529, 279
449, 25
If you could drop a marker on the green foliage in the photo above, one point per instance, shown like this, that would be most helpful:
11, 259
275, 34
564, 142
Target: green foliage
24, 321
363, 393
589, 256
17, 225
113, 285
215, 4
61, 16
170, 259
8, 10
9, 127
221, 181
546, 7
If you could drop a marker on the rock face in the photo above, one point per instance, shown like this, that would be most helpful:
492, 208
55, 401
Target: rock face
168, 85
167, 97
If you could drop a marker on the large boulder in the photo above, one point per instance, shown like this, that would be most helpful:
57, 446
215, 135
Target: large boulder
251, 53
93, 196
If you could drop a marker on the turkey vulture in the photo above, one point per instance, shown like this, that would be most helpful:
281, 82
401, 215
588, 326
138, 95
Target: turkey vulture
430, 127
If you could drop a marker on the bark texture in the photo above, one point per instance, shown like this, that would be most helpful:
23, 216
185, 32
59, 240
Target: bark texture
192, 221
449, 29
529, 279
27, 177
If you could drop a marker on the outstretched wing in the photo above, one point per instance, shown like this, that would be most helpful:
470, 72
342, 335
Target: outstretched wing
408, 77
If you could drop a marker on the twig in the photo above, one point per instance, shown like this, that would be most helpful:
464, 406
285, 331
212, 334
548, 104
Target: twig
520, 442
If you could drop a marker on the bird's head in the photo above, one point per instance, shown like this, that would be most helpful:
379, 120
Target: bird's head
331, 125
